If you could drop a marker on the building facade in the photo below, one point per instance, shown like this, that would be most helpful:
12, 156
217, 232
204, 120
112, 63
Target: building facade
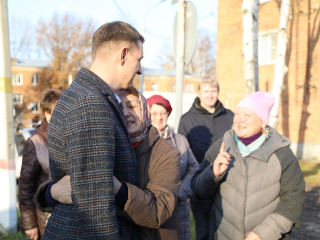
29, 81
28, 84
299, 112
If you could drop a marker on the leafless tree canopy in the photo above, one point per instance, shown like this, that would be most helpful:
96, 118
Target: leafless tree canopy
67, 42
21, 38
203, 62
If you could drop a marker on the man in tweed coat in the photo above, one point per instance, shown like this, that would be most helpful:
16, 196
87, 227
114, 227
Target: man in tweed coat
89, 141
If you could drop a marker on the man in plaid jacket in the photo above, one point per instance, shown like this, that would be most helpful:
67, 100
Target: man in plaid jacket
89, 141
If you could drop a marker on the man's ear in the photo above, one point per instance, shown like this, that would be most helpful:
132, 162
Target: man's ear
123, 56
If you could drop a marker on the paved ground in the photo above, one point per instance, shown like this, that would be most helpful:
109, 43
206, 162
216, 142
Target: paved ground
310, 227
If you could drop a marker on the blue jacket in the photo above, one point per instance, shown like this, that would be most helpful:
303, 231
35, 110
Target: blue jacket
89, 141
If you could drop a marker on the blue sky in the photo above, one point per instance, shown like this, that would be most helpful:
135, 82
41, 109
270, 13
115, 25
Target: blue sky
159, 20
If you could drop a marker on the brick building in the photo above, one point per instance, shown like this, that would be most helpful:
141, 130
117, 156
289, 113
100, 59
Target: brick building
29, 82
27, 87
299, 111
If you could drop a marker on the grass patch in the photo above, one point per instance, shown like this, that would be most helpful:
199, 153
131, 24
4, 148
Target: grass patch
19, 236
310, 171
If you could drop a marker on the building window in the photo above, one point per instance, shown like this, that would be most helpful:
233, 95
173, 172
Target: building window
267, 48
35, 107
17, 79
17, 98
35, 79
173, 87
154, 87
188, 88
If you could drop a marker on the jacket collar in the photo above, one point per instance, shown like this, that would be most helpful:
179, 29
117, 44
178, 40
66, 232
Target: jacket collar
91, 77
197, 108
274, 142
42, 130
148, 142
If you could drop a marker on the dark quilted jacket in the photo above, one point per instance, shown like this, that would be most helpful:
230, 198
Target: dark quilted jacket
89, 141
34, 171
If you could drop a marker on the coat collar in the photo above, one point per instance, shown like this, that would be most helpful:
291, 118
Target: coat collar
274, 142
94, 79
42, 130
148, 142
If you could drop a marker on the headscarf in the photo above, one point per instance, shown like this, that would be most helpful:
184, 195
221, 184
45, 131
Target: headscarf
146, 118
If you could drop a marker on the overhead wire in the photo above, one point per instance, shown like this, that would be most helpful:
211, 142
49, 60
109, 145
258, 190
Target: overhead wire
120, 10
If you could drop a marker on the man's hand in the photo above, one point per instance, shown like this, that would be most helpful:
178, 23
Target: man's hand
117, 185
32, 233
61, 191
221, 163
253, 236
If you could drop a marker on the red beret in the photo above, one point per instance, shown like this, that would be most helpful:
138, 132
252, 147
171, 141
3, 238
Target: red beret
158, 99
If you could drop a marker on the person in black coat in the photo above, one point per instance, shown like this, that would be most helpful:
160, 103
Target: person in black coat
205, 122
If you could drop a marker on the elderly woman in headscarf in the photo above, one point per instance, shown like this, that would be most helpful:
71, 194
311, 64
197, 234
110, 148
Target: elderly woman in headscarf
153, 204
160, 109
253, 176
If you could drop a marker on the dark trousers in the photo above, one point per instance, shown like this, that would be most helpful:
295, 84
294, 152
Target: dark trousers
202, 221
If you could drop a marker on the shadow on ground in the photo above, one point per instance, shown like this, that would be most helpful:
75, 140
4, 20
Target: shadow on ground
310, 227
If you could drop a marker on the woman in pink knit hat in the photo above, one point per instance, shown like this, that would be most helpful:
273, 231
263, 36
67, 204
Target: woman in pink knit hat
253, 177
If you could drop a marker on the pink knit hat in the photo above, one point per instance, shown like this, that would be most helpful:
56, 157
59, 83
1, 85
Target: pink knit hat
260, 103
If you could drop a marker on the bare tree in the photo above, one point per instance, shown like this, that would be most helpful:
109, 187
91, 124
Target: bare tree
21, 38
280, 67
66, 41
203, 62
247, 51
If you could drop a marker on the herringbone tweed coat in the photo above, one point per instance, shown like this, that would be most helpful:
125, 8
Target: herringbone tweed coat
89, 141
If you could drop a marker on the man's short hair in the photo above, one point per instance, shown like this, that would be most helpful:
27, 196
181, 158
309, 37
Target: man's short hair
49, 100
115, 33
210, 80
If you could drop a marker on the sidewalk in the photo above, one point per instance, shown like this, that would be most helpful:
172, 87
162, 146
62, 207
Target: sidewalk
310, 227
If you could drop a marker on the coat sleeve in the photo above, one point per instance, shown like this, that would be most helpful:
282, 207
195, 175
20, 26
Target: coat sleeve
204, 183
292, 195
30, 172
90, 147
39, 199
155, 205
192, 166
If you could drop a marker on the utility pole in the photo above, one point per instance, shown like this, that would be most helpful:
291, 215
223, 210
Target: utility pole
181, 27
8, 199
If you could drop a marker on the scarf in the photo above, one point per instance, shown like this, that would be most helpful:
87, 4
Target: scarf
246, 150
146, 119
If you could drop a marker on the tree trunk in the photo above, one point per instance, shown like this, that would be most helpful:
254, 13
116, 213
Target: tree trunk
280, 67
248, 55
255, 14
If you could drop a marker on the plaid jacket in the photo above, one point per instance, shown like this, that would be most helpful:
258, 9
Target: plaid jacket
88, 140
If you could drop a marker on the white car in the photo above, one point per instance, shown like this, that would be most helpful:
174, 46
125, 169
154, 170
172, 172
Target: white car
20, 137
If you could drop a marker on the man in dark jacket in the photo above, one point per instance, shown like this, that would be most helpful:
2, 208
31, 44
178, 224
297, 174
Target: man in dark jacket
89, 141
205, 122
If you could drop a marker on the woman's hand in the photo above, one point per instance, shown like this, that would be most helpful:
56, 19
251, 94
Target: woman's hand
32, 233
221, 163
253, 236
61, 191
117, 184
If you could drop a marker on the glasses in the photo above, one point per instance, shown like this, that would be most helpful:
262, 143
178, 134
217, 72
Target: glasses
162, 114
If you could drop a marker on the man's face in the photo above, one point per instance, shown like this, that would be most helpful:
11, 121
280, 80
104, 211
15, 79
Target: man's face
208, 95
132, 65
